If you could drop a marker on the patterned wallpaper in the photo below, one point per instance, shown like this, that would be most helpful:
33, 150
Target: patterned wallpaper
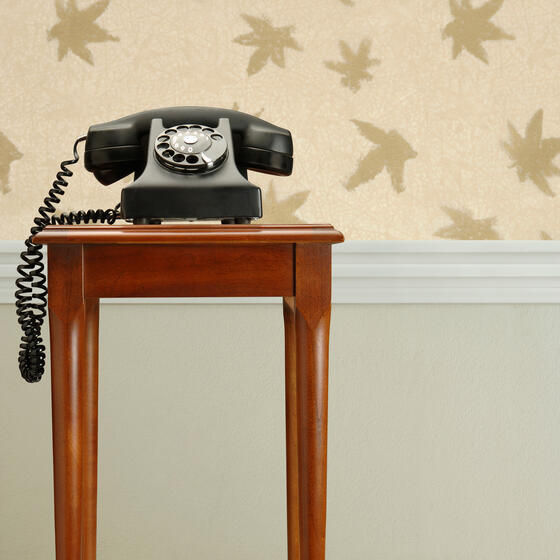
411, 120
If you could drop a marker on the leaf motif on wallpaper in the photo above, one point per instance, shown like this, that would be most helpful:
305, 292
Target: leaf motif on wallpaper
472, 26
354, 67
8, 154
270, 43
533, 155
235, 107
466, 227
282, 211
391, 153
545, 236
77, 28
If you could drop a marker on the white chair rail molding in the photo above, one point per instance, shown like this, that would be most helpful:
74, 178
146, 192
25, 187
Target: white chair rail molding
406, 272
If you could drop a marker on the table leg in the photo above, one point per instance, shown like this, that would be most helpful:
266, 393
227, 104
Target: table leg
312, 307
73, 324
89, 431
291, 428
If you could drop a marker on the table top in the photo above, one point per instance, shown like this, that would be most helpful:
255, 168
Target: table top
103, 234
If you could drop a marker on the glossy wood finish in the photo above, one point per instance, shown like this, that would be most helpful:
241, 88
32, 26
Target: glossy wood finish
89, 431
88, 262
292, 474
186, 234
312, 321
73, 324
213, 270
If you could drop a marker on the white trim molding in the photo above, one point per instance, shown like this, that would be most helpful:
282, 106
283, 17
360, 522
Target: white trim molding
404, 272
447, 272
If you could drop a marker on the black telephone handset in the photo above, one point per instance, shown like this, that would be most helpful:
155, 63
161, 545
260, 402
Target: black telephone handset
188, 162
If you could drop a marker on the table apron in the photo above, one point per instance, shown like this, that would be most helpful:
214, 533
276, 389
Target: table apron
209, 270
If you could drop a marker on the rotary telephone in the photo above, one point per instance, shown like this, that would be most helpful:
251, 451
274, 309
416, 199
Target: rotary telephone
189, 163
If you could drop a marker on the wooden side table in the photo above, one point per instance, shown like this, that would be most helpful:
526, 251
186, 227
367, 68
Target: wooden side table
88, 262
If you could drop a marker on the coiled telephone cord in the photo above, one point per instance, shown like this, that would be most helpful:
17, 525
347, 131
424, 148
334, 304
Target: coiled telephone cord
31, 293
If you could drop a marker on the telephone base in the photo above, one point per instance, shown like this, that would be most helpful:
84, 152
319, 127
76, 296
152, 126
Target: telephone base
158, 221
222, 193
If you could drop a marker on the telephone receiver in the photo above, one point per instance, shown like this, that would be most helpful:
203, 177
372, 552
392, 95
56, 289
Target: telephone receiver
188, 162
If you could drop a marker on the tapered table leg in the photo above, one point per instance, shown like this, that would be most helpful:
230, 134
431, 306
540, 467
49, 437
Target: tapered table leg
89, 432
73, 334
312, 320
291, 428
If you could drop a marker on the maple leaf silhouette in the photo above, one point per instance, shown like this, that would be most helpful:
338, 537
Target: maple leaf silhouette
472, 26
235, 107
8, 154
466, 227
392, 153
545, 236
283, 212
532, 156
77, 28
355, 65
270, 42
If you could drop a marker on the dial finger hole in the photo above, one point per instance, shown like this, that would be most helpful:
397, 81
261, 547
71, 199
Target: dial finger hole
168, 153
192, 159
170, 131
163, 146
216, 137
178, 157
195, 126
209, 130
163, 138
182, 127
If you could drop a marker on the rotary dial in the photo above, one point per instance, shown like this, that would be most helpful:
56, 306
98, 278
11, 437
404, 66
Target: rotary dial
191, 148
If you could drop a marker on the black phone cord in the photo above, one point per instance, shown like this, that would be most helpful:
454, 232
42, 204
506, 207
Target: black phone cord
31, 293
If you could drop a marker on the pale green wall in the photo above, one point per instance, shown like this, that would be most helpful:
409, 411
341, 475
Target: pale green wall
444, 434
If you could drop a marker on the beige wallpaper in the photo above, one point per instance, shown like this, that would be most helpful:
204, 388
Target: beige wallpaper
411, 120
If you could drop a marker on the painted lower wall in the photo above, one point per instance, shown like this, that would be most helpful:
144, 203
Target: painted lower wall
443, 442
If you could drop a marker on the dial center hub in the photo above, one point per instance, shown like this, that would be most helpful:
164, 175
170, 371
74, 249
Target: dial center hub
192, 141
